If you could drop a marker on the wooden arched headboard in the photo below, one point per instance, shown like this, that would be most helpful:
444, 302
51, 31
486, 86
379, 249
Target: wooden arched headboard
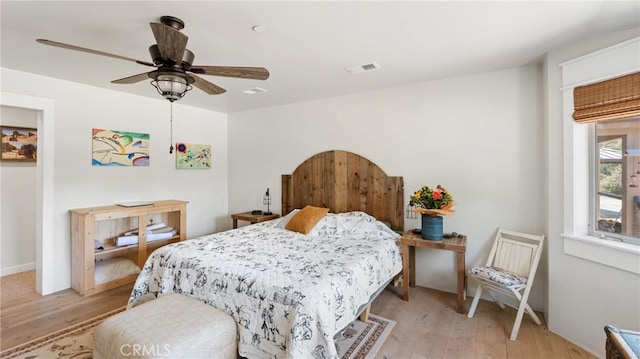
344, 181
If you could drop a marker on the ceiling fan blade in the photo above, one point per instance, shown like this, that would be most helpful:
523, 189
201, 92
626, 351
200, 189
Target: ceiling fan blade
255, 73
132, 79
90, 51
171, 42
206, 86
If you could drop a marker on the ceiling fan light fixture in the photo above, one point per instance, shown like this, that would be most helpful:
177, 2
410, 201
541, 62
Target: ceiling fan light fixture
173, 75
171, 84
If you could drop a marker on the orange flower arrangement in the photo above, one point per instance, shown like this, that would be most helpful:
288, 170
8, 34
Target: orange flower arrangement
433, 202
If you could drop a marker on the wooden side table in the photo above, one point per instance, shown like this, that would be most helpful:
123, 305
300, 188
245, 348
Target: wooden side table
253, 218
409, 241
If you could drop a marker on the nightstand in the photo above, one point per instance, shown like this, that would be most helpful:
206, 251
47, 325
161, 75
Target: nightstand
409, 241
253, 218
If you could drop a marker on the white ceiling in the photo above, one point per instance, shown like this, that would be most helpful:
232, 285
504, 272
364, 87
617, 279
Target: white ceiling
306, 45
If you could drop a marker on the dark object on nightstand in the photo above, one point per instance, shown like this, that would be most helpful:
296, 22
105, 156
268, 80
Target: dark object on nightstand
267, 201
452, 235
622, 344
256, 211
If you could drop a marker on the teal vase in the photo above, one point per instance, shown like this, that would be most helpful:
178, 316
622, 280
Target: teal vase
432, 227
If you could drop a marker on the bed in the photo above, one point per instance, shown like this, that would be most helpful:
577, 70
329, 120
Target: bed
291, 293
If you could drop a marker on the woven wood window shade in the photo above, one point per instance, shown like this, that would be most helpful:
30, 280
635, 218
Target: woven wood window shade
607, 100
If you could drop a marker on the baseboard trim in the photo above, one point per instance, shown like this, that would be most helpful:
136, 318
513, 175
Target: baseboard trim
17, 269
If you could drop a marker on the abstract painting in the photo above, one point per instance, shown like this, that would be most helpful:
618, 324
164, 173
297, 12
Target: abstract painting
120, 148
194, 156
19, 144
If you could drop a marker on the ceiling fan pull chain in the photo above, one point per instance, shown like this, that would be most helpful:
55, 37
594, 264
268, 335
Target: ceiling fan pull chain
171, 128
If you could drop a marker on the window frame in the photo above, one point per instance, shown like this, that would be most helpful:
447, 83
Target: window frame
578, 173
594, 185
607, 63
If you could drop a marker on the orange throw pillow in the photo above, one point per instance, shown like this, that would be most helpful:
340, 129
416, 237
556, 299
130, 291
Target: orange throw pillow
304, 221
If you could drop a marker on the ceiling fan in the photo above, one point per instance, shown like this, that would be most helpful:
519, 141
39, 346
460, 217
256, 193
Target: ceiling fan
174, 73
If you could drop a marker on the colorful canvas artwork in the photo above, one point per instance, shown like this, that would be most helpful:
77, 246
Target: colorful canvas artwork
192, 156
120, 148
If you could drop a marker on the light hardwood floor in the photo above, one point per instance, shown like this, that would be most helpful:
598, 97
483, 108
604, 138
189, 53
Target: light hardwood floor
31, 316
427, 326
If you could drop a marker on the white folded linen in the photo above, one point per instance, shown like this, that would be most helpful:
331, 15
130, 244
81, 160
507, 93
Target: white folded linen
133, 239
150, 227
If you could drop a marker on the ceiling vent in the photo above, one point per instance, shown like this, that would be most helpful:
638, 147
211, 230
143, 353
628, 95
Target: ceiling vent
362, 68
255, 90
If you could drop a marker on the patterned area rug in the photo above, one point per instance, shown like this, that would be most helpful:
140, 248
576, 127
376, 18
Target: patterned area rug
363, 340
359, 340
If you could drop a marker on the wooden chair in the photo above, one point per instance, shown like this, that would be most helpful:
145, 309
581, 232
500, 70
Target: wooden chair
510, 270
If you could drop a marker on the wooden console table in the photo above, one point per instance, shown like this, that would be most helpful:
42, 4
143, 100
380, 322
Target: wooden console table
410, 241
105, 224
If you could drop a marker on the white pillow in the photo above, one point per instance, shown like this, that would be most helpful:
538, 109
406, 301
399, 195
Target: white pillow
284, 220
349, 224
115, 268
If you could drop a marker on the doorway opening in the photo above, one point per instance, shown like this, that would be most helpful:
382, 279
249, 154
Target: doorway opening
45, 267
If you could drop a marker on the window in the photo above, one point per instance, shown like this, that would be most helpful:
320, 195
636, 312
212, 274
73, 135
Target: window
578, 158
616, 204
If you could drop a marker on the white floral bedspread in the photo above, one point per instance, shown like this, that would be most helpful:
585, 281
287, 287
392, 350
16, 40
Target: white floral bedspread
289, 293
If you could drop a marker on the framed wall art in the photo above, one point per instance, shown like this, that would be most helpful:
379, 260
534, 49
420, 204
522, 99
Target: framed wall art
119, 148
19, 144
192, 156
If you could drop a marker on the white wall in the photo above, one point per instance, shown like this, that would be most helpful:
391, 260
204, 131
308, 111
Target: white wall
480, 136
584, 296
76, 183
18, 198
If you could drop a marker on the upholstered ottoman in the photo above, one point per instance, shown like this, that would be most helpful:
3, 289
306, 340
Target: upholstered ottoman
171, 326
